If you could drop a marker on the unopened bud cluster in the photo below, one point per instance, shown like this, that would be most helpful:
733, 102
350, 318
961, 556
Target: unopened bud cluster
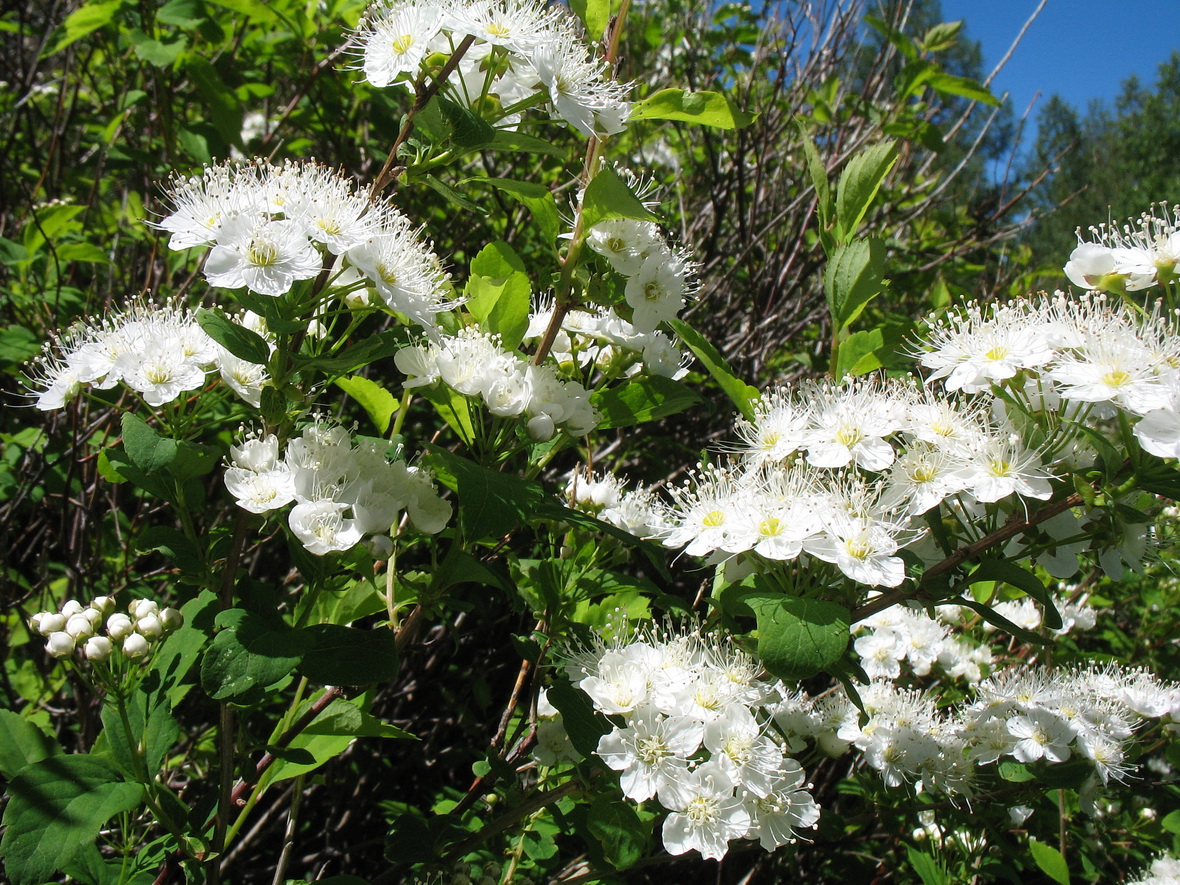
97, 630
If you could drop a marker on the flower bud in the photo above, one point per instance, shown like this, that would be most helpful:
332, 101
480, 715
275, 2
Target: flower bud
120, 626
97, 648
380, 546
93, 615
79, 627
105, 604
141, 608
51, 622
60, 644
149, 627
72, 607
135, 646
541, 428
171, 619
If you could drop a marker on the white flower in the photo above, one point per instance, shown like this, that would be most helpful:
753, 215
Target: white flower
266, 257
657, 291
706, 813
651, 752
395, 37
322, 528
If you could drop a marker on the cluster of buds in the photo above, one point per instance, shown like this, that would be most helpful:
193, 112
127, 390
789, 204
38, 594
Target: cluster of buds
97, 630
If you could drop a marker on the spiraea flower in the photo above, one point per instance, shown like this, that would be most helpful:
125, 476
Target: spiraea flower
1127, 257
692, 716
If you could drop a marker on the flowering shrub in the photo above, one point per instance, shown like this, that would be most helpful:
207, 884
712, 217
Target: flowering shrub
362, 448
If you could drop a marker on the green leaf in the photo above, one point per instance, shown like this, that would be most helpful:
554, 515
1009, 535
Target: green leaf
176, 655
22, 743
607, 196
819, 180
858, 185
147, 450
537, 198
582, 724
858, 353
797, 637
703, 108
225, 111
739, 392
1015, 772
618, 828
85, 20
379, 404
17, 344
237, 339
453, 407
930, 872
1171, 822
157, 53
251, 652
153, 732
173, 544
595, 15
491, 504
57, 807
518, 142
349, 656
369, 350
994, 618
181, 13
949, 84
498, 293
942, 36
1050, 860
1010, 573
467, 128
644, 399
254, 10
853, 278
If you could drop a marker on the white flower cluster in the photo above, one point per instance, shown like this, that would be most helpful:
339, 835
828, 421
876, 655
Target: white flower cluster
97, 630
900, 634
694, 735
1029, 714
474, 364
604, 339
840, 472
523, 51
157, 351
343, 488
1135, 256
1164, 870
266, 226
657, 275
1096, 358
635, 511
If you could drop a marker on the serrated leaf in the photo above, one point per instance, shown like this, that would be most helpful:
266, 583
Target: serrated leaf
146, 449
595, 15
491, 504
797, 638
85, 20
853, 277
929, 871
819, 180
22, 743
858, 186
153, 732
499, 292
379, 404
619, 830
1050, 860
581, 723
57, 807
250, 653
349, 656
950, 84
741, 394
703, 108
243, 343
608, 196
644, 399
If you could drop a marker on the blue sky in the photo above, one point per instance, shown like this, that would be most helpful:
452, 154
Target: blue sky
1079, 49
